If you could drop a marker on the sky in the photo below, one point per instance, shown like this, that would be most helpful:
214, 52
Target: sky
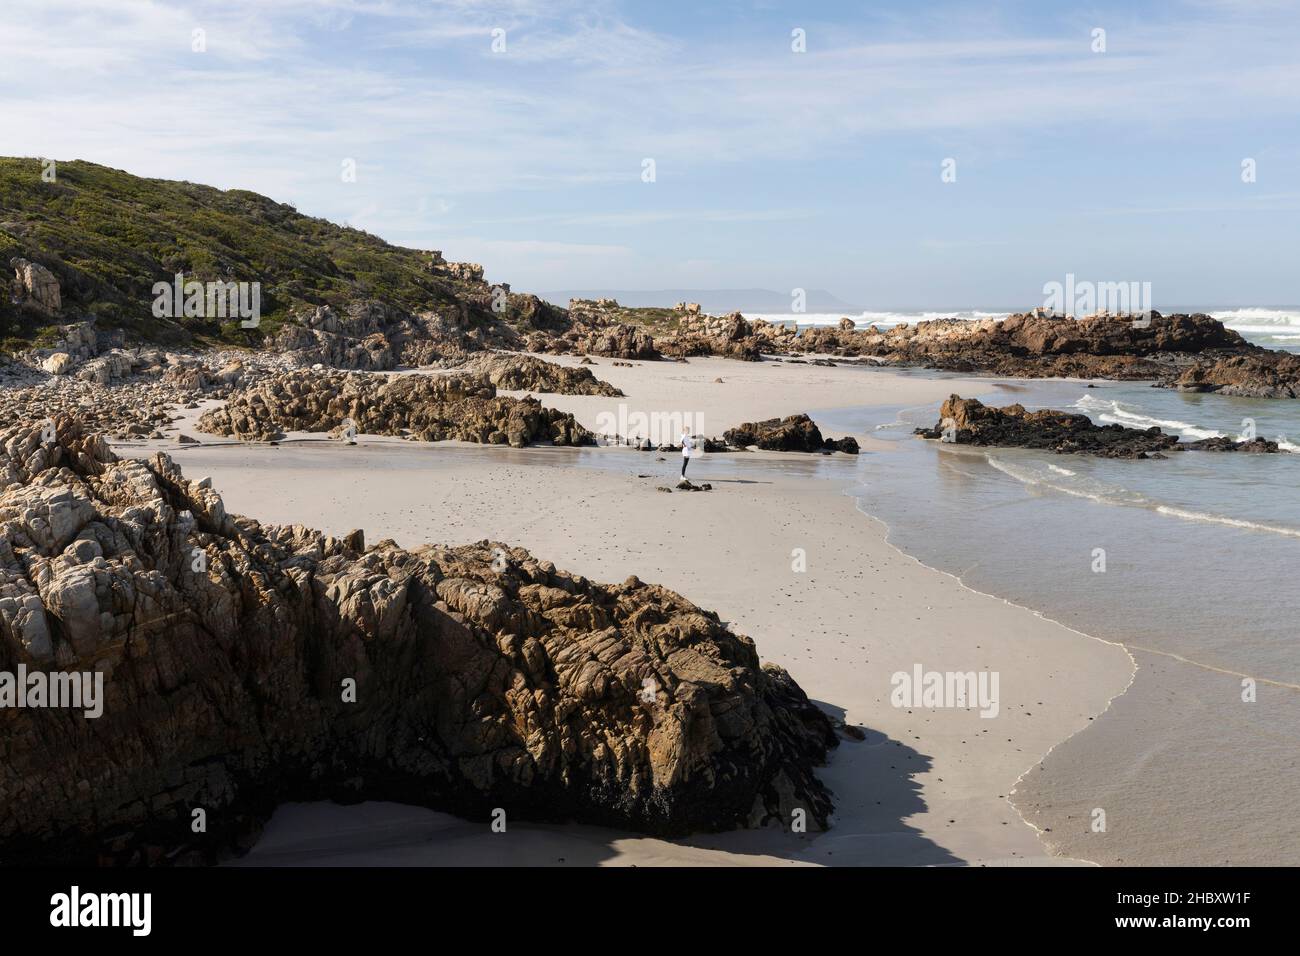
910, 156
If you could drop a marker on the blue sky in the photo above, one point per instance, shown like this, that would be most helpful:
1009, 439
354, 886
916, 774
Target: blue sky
773, 168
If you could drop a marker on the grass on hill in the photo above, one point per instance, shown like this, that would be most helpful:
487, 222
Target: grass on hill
109, 236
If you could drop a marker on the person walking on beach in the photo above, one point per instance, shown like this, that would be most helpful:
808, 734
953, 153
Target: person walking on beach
688, 446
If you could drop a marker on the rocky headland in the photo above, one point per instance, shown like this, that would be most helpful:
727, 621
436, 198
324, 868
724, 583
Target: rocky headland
81, 305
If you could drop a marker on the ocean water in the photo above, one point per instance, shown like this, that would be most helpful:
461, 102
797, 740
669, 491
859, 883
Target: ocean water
1190, 562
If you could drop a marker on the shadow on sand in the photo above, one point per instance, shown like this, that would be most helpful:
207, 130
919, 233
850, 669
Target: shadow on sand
873, 782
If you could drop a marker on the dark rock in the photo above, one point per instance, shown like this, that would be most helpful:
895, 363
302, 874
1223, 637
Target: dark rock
793, 433
227, 688
967, 421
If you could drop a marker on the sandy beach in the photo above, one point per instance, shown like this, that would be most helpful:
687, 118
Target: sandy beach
928, 786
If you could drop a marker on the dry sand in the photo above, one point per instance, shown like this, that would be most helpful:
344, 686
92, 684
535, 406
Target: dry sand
927, 786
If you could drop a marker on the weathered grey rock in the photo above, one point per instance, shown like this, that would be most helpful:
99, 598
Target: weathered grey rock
525, 373
228, 681
420, 407
113, 366
36, 285
60, 363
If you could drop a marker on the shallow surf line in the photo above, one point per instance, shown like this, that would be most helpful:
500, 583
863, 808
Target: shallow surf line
1124, 498
858, 493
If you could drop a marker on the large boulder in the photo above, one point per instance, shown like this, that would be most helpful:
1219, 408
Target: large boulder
60, 363
792, 433
244, 665
36, 285
526, 373
110, 367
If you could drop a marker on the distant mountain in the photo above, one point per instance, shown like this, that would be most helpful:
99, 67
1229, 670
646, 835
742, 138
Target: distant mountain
710, 300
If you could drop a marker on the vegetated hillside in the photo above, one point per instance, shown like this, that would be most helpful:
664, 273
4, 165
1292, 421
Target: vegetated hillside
109, 236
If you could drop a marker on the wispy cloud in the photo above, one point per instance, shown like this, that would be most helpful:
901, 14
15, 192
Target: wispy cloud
449, 136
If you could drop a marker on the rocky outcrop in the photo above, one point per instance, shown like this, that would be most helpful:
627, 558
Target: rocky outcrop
245, 665
730, 336
589, 327
419, 407
793, 433
616, 340
967, 421
322, 338
74, 344
111, 367
1191, 352
375, 337
128, 394
1037, 345
36, 285
1261, 373
59, 363
525, 373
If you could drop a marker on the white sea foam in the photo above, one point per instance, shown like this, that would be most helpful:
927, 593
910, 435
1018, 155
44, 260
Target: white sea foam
1119, 413
1031, 474
1189, 515
1257, 318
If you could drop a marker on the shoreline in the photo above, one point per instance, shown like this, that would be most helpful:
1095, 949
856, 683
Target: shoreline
942, 810
1052, 846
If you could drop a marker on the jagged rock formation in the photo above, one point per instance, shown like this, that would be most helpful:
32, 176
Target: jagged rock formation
614, 340
353, 301
419, 407
139, 405
36, 285
1038, 345
1194, 352
1257, 373
76, 342
730, 336
603, 327
524, 373
967, 421
482, 677
793, 433
58, 363
372, 336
